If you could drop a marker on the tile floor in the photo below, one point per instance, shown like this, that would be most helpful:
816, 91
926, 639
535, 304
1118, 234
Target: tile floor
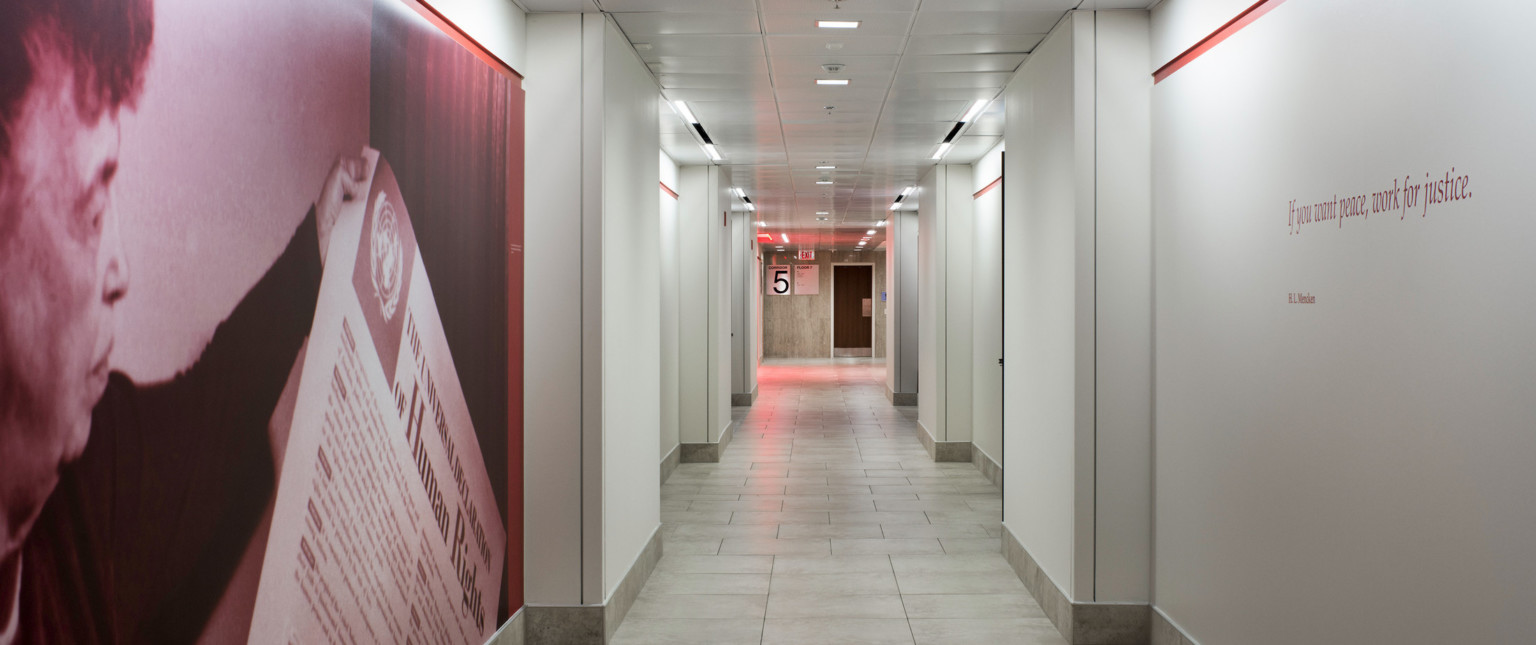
826, 522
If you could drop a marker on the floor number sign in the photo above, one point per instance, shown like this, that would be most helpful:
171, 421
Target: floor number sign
778, 280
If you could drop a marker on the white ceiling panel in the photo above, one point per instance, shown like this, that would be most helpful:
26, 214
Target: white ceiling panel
810, 66
709, 65
702, 45
1059, 6
638, 26
952, 80
962, 63
807, 90
926, 111
730, 81
984, 22
562, 6
802, 6
678, 6
840, 45
942, 94
973, 44
691, 95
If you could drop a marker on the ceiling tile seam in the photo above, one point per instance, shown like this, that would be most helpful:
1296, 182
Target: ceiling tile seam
907, 40
762, 40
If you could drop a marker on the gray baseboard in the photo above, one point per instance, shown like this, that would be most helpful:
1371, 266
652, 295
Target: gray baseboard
943, 451
1166, 632
578, 625
624, 596
1081, 623
511, 632
708, 453
669, 462
903, 399
592, 624
989, 468
744, 399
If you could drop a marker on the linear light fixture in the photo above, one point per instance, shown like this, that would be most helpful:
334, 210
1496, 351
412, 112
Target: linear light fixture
831, 81
975, 111
682, 109
823, 213
824, 182
762, 223
838, 24
869, 232
826, 167
861, 243
786, 238
880, 223
739, 192
907, 191
709, 149
943, 150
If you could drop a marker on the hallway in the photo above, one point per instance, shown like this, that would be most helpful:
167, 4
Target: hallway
827, 522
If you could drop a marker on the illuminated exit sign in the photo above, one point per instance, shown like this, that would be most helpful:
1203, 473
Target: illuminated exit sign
807, 254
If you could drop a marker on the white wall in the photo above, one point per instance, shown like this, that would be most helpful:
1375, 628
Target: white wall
930, 296
1041, 286
1077, 303
631, 295
1123, 308
987, 307
593, 309
944, 280
1357, 470
902, 306
745, 316
552, 314
667, 250
704, 304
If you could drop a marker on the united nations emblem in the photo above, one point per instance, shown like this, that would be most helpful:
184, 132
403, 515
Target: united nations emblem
388, 259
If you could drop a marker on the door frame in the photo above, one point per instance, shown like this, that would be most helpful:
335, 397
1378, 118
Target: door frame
832, 319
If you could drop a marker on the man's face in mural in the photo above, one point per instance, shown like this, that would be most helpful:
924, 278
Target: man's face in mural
61, 274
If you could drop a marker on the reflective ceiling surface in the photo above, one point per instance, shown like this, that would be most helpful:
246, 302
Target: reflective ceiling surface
747, 69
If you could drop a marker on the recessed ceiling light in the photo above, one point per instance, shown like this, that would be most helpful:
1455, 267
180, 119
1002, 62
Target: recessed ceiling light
826, 167
766, 223
786, 238
838, 24
831, 81
823, 213
821, 219
862, 243
709, 149
908, 190
824, 182
869, 232
880, 223
943, 150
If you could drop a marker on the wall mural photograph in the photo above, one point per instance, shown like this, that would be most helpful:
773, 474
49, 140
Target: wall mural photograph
253, 323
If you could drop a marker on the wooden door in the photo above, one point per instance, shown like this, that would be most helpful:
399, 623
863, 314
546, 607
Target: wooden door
852, 310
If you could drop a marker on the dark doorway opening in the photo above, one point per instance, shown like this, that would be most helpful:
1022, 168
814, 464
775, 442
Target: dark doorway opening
853, 310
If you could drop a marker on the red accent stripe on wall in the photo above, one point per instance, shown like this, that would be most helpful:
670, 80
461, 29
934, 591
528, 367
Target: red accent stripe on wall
989, 187
668, 191
1210, 42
